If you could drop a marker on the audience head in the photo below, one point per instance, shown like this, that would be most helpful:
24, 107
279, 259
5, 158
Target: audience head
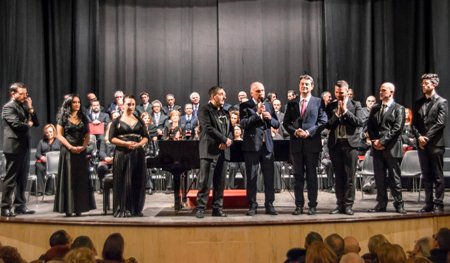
115, 114
234, 117
291, 94
318, 252
144, 96
326, 97
276, 105
60, 238
170, 99
194, 97
351, 245
312, 237
10, 255
91, 97
391, 253
80, 255
237, 132
350, 93
336, 243
442, 238
421, 248
370, 101
419, 260
408, 116
118, 96
242, 96
188, 109
83, 242
174, 115
156, 106
145, 116
376, 241
95, 106
113, 247
49, 132
271, 96
351, 258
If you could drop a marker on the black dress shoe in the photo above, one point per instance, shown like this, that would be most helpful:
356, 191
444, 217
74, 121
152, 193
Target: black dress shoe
298, 211
400, 210
312, 211
335, 211
426, 209
219, 213
7, 213
200, 213
270, 210
348, 211
24, 211
253, 210
178, 206
377, 209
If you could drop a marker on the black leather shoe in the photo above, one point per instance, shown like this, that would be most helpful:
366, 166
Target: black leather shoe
219, 213
426, 209
178, 206
7, 213
335, 211
348, 211
438, 209
270, 210
200, 213
253, 210
298, 211
400, 210
377, 209
312, 211
24, 211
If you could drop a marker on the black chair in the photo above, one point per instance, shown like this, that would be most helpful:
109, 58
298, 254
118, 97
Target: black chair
107, 186
51, 169
366, 170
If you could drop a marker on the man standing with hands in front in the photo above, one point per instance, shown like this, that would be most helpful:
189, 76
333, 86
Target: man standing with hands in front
257, 119
345, 125
215, 140
385, 125
303, 119
18, 117
430, 118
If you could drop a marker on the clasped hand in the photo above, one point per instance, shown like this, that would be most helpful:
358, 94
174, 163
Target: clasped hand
300, 133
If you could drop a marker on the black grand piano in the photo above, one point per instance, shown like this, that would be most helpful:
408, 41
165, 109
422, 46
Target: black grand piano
178, 157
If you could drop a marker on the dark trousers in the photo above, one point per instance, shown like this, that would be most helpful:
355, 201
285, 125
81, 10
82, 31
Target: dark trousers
252, 162
432, 163
102, 170
305, 162
233, 169
343, 158
40, 175
16, 178
387, 174
211, 169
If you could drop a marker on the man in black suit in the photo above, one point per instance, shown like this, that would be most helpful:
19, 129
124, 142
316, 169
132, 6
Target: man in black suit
188, 122
195, 100
257, 119
344, 125
18, 117
170, 99
430, 118
159, 118
97, 118
145, 105
303, 119
215, 141
384, 126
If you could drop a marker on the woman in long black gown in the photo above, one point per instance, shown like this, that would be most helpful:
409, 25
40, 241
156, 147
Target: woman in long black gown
74, 193
129, 134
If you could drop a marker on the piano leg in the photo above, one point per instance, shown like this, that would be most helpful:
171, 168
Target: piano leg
176, 189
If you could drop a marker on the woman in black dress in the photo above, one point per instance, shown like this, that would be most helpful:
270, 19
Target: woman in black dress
129, 134
47, 144
74, 193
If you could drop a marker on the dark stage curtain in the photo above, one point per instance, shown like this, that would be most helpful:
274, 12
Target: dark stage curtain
179, 46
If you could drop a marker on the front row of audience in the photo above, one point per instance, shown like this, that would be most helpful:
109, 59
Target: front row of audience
80, 250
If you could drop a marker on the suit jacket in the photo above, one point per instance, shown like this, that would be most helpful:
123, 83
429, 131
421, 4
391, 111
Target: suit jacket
166, 111
255, 128
282, 131
15, 116
161, 122
102, 117
387, 129
140, 109
212, 132
189, 126
313, 122
352, 121
431, 123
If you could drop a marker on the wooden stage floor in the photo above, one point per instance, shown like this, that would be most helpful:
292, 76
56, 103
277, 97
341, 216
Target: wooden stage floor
159, 211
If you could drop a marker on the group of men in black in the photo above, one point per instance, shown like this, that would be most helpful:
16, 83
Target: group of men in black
305, 119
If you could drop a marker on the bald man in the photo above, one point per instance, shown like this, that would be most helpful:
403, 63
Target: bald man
384, 126
351, 258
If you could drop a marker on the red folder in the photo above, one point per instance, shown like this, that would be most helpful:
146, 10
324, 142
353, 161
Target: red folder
97, 129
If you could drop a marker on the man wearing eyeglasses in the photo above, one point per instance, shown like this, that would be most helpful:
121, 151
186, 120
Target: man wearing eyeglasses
115, 105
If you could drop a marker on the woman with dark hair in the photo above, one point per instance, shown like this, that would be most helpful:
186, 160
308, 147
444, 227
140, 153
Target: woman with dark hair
47, 144
74, 193
129, 134
113, 248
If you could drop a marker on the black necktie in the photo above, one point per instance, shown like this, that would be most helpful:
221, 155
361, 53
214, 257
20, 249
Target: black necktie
381, 112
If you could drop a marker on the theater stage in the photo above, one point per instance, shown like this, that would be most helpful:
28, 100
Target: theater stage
164, 235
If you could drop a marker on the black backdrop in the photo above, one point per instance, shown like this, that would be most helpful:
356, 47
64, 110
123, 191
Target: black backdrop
180, 46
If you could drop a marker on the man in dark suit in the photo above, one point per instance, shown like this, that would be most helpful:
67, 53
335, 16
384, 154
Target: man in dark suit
344, 125
159, 118
303, 119
18, 117
430, 118
215, 141
384, 126
170, 99
188, 122
145, 105
99, 119
257, 119
117, 103
195, 100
